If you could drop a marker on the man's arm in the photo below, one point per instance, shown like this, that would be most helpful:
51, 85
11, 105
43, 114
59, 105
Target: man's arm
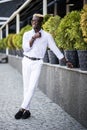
57, 52
37, 35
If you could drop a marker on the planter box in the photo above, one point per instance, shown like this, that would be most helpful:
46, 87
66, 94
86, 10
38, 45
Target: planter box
72, 56
82, 59
52, 58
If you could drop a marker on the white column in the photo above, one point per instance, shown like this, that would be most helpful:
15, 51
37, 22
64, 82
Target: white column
44, 7
1, 34
67, 8
17, 23
7, 51
55, 8
6, 30
84, 2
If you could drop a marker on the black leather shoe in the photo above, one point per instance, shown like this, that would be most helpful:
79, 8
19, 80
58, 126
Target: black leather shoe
19, 114
26, 114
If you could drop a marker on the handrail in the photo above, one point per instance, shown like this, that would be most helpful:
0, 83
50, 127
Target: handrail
15, 13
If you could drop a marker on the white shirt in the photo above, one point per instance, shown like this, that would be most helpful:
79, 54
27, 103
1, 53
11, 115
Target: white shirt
40, 45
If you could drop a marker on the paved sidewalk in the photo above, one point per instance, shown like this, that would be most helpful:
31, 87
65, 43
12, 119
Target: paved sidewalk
46, 115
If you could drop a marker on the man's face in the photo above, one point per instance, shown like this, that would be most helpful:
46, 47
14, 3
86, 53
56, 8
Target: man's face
36, 22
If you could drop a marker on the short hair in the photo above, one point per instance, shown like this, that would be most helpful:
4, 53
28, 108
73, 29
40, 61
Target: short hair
40, 16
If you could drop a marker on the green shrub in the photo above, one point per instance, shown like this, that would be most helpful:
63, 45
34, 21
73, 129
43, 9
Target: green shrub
52, 24
83, 22
3, 43
82, 43
14, 41
25, 29
68, 31
9, 41
46, 17
17, 41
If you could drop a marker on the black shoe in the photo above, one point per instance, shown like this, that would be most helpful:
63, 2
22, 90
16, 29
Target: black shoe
19, 114
26, 114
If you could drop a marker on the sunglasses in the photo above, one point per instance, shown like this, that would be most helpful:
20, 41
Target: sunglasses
35, 21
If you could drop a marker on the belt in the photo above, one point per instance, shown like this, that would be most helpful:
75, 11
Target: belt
32, 58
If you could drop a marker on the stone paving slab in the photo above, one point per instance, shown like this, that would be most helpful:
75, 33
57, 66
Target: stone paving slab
46, 115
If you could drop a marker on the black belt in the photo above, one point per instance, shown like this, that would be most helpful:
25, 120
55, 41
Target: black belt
32, 58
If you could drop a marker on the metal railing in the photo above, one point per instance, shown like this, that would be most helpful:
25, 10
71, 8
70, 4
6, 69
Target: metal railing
15, 14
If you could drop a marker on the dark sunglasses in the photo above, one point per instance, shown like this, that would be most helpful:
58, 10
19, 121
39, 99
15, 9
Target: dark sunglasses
35, 21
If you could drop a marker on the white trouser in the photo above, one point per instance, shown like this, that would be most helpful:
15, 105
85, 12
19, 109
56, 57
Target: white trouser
31, 71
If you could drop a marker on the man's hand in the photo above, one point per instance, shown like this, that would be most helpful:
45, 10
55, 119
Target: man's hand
68, 64
37, 35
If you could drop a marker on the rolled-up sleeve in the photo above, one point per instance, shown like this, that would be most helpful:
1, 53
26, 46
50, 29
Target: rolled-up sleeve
25, 45
54, 48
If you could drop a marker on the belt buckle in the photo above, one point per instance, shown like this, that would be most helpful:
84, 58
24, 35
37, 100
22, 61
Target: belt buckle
34, 58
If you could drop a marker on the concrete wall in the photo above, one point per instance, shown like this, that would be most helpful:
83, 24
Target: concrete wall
66, 87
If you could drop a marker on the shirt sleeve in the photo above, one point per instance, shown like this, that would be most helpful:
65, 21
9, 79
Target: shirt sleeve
25, 45
54, 48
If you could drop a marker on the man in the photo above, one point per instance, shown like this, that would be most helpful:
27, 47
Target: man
35, 43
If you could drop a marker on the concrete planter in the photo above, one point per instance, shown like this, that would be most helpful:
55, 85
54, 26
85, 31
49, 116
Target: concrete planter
52, 58
19, 53
72, 56
46, 58
82, 59
12, 52
61, 62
